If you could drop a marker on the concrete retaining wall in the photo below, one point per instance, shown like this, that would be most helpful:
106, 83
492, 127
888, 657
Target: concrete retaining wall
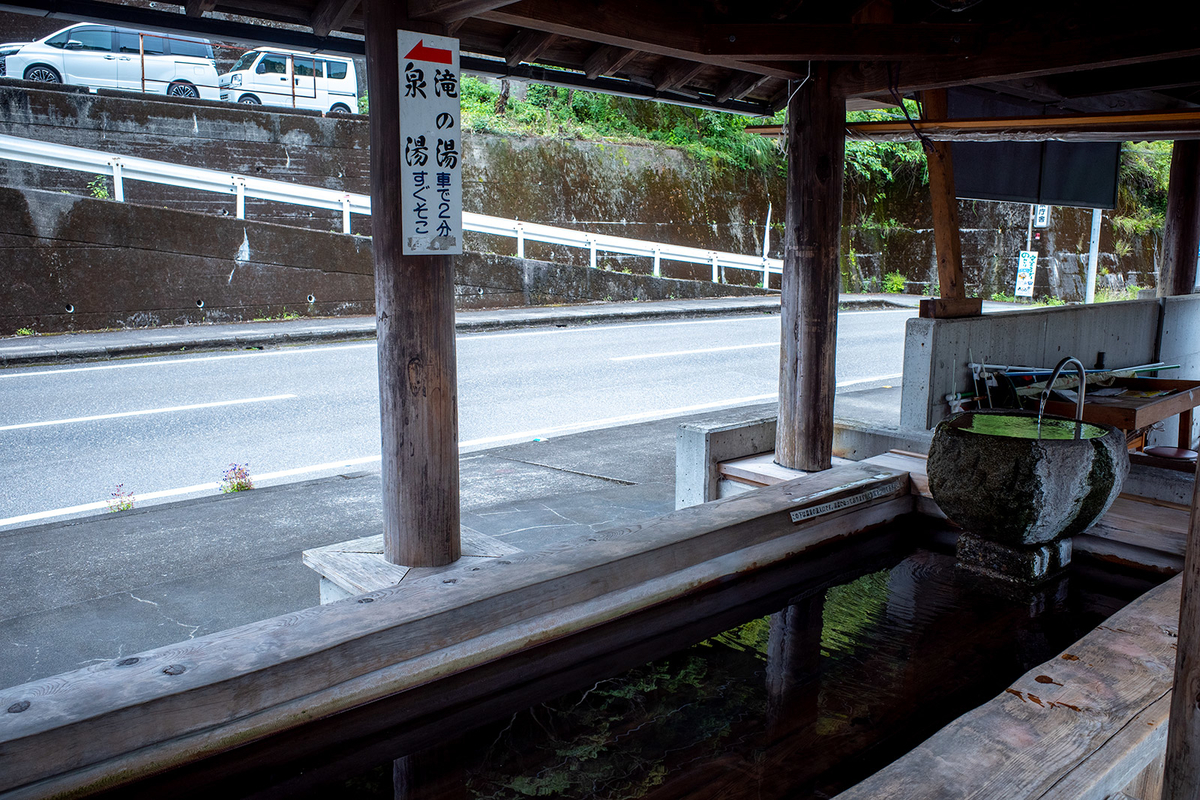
77, 263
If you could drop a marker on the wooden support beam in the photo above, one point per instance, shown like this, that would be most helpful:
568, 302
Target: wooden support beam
813, 224
946, 237
414, 306
1181, 775
1018, 53
527, 46
331, 15
452, 10
1106, 127
606, 60
197, 8
781, 41
946, 307
650, 27
740, 85
676, 74
1181, 234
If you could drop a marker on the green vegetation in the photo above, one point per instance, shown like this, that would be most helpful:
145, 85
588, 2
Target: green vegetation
24, 331
1130, 292
98, 187
236, 479
893, 282
120, 500
286, 315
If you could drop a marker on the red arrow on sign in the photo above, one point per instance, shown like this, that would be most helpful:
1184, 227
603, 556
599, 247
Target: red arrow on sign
432, 54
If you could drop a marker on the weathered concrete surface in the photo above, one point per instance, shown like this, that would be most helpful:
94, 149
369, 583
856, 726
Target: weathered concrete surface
77, 263
1023, 492
638, 191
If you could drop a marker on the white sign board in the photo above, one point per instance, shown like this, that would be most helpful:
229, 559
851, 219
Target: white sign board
431, 138
1041, 217
1026, 272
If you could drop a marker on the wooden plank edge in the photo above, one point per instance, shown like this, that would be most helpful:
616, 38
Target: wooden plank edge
71, 711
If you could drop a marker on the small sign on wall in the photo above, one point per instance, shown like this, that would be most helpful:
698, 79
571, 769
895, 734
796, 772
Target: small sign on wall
1041, 217
431, 139
1026, 272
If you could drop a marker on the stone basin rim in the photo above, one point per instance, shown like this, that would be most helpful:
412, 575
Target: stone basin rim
1088, 430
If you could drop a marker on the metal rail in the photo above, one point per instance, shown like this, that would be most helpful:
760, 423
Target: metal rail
123, 168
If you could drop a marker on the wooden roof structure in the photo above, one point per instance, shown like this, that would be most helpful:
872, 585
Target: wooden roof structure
1073, 56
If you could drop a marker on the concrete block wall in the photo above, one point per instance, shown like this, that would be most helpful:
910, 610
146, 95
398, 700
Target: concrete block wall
937, 351
1179, 343
78, 263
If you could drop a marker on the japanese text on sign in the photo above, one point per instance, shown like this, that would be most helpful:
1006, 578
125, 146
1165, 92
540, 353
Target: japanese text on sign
1026, 272
431, 141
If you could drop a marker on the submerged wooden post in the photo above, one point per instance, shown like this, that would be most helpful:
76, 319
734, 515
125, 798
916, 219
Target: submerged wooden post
414, 307
947, 239
813, 222
1181, 778
1181, 234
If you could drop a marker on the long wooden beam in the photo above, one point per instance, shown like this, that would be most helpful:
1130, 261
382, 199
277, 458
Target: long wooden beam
648, 27
855, 42
1026, 54
452, 10
88, 729
1181, 775
1123, 127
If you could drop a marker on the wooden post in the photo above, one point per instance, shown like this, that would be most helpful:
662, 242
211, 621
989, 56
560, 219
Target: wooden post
1181, 778
811, 279
947, 241
414, 306
794, 662
1181, 234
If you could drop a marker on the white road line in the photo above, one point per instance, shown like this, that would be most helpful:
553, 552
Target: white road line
171, 362
144, 412
695, 352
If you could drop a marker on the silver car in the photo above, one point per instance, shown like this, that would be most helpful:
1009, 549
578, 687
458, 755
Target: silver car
104, 57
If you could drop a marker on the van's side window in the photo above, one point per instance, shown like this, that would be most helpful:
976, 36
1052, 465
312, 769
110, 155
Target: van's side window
190, 48
306, 67
272, 65
335, 70
94, 39
128, 43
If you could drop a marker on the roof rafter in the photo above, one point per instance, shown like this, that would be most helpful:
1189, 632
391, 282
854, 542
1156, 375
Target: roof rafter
606, 60
452, 10
854, 42
331, 15
651, 27
527, 46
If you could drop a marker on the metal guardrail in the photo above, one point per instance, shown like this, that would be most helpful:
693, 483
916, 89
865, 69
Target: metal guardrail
123, 168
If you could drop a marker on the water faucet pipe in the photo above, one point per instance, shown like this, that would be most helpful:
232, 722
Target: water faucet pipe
1081, 389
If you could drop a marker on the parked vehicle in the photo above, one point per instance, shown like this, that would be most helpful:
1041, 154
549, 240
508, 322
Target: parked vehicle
104, 57
275, 77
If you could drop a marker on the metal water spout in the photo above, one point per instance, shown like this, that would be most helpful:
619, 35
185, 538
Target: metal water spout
1069, 360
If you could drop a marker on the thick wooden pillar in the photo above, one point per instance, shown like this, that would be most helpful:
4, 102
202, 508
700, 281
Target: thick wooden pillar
414, 307
1181, 234
947, 239
811, 279
1181, 777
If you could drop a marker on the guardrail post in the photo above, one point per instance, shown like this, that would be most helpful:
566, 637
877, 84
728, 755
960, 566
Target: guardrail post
240, 187
658, 262
715, 268
766, 273
345, 213
520, 240
118, 184
591, 252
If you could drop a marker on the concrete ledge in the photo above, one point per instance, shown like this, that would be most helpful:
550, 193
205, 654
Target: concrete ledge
699, 450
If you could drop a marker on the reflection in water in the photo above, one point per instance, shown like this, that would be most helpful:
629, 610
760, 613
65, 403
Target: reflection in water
803, 703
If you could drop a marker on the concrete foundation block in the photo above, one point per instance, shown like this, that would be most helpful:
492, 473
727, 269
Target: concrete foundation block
1026, 565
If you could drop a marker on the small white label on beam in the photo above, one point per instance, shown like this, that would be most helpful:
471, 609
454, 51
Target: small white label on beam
845, 502
1041, 217
431, 145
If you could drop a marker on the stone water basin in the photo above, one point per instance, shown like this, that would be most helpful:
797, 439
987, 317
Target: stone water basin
993, 477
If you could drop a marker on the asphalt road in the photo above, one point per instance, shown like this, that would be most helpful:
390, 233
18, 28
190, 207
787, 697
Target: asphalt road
167, 427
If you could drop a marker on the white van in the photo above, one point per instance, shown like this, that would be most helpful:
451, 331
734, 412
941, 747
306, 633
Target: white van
104, 57
275, 77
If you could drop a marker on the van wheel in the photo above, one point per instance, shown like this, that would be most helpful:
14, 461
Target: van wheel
339, 109
249, 100
42, 74
181, 89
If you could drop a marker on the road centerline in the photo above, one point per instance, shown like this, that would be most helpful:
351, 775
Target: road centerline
641, 356
145, 412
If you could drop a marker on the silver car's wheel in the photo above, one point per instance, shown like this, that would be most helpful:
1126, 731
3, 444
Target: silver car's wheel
180, 89
42, 74
339, 109
249, 100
